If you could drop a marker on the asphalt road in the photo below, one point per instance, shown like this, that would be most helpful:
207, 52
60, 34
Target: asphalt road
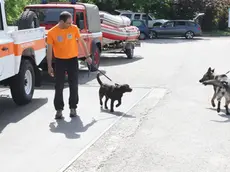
168, 125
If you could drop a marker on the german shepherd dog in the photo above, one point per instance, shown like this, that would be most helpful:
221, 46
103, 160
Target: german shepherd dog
219, 91
113, 92
224, 90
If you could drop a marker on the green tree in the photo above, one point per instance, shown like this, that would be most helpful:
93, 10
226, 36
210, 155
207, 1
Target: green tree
216, 12
15, 7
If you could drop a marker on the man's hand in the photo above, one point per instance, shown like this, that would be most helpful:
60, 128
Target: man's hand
51, 71
88, 60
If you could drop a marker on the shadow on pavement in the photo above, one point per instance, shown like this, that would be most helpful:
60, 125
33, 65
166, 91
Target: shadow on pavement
164, 40
11, 113
223, 115
214, 109
117, 113
110, 60
70, 129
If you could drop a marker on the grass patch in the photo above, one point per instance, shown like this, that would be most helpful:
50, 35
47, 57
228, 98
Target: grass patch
217, 33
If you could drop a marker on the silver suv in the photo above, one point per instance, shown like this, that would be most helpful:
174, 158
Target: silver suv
140, 16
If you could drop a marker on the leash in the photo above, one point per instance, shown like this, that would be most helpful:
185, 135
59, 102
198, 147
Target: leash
89, 71
227, 72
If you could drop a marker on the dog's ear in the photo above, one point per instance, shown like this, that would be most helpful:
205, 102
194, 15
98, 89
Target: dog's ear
209, 69
212, 70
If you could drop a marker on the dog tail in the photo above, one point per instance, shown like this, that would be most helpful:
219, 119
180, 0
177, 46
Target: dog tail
214, 83
98, 79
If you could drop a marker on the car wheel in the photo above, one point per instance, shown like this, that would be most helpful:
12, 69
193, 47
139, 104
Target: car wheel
153, 34
22, 85
142, 36
189, 35
28, 20
96, 55
129, 53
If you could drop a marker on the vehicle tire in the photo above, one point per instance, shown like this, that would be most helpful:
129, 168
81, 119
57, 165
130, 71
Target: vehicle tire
129, 53
96, 56
189, 35
28, 20
142, 36
22, 85
153, 35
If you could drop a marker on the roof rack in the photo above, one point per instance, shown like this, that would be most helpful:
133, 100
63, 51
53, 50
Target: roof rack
123, 11
70, 1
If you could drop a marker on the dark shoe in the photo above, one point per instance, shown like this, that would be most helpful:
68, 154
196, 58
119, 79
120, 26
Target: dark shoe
59, 114
73, 113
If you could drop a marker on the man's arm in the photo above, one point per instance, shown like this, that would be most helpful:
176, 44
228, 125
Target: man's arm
49, 55
49, 49
82, 42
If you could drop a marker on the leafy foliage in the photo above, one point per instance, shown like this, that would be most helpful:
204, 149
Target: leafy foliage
15, 7
216, 11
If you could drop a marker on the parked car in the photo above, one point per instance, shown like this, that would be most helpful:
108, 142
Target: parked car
181, 28
140, 16
141, 25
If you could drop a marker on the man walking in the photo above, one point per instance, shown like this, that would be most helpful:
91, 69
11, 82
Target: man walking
62, 40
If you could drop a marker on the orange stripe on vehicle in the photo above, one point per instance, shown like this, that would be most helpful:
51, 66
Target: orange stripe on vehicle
35, 45
9, 49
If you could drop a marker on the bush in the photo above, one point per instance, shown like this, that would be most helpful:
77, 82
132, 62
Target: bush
216, 12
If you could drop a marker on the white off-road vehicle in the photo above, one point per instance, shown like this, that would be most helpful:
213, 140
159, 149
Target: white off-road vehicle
22, 48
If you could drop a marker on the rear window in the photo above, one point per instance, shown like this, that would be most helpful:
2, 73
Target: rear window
50, 15
144, 17
137, 16
191, 24
180, 23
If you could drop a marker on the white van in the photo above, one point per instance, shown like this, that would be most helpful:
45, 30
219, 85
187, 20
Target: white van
141, 16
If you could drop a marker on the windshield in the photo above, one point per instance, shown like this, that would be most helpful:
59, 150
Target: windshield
50, 15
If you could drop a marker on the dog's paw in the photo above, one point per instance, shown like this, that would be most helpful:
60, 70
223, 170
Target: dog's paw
213, 104
117, 105
218, 110
106, 107
111, 111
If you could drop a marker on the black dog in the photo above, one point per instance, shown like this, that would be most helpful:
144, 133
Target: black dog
113, 92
